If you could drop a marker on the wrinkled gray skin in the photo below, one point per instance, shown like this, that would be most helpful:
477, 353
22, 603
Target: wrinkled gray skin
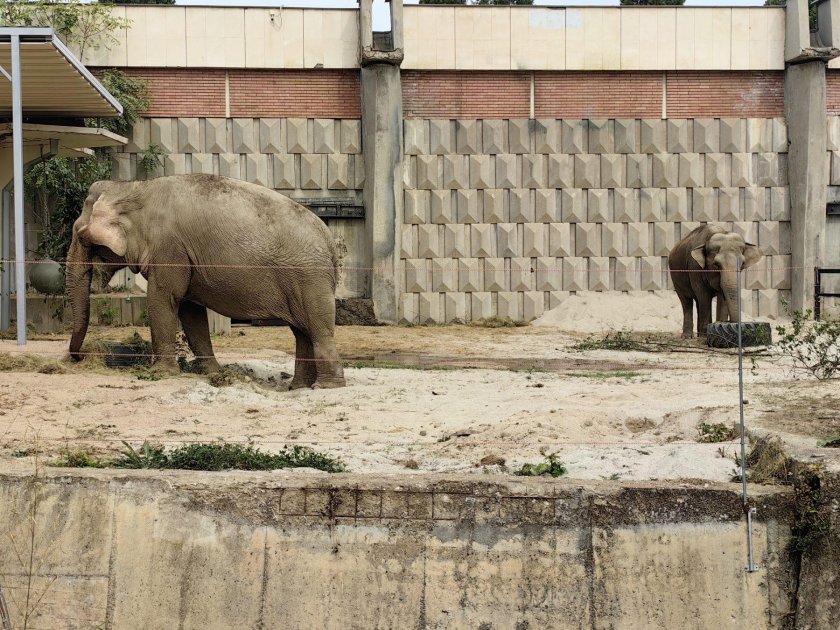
718, 252
194, 237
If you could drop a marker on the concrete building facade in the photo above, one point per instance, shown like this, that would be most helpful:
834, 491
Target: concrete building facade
498, 159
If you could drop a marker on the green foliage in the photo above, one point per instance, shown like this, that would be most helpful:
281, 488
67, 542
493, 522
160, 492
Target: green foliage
106, 311
222, 456
498, 322
643, 3
78, 459
151, 159
133, 95
617, 340
810, 346
812, 524
57, 190
713, 433
82, 25
551, 466
832, 443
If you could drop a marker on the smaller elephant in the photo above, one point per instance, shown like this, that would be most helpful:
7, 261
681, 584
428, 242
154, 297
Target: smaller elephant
705, 265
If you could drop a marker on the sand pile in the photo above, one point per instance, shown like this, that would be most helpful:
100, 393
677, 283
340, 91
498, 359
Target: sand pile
593, 312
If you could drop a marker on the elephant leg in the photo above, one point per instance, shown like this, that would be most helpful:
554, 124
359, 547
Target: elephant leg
194, 322
688, 315
164, 297
327, 363
305, 370
722, 309
704, 314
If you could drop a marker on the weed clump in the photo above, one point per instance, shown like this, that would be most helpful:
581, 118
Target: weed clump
498, 322
552, 466
831, 443
204, 456
714, 433
767, 462
616, 340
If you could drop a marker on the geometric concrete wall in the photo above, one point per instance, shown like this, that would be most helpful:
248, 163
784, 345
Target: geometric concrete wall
507, 217
299, 157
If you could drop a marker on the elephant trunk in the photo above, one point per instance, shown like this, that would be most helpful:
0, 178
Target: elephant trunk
79, 273
729, 288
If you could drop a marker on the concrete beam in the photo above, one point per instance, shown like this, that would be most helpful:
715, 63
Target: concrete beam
806, 120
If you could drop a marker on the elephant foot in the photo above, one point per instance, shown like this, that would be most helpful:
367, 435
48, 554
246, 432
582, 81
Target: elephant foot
688, 335
297, 384
167, 367
205, 366
329, 383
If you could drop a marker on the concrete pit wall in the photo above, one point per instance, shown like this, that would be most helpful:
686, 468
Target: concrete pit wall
255, 550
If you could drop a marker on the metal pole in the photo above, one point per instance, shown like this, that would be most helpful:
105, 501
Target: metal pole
5, 251
17, 156
751, 567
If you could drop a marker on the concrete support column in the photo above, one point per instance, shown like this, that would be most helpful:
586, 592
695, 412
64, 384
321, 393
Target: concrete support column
805, 111
807, 174
383, 151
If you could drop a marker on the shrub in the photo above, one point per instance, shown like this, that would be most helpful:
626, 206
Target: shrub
811, 346
551, 466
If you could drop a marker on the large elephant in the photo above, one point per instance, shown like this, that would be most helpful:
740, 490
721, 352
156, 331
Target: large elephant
239, 249
705, 265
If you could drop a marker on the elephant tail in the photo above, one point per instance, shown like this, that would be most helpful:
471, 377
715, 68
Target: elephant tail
338, 251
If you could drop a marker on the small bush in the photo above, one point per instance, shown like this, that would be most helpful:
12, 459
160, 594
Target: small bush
551, 466
811, 346
498, 322
713, 433
767, 462
617, 340
78, 459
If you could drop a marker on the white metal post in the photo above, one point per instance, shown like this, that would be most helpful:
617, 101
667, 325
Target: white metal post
5, 252
750, 511
17, 156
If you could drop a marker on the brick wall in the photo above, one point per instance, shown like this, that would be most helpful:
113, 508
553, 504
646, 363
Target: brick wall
832, 92
192, 92
598, 95
184, 91
725, 94
290, 93
466, 94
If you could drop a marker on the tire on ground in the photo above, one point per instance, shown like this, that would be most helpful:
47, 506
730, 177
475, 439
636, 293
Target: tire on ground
725, 334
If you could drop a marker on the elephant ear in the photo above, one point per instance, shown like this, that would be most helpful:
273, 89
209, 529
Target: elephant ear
699, 256
752, 254
104, 227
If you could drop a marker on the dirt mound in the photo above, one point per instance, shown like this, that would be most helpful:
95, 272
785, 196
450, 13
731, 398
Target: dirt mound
593, 312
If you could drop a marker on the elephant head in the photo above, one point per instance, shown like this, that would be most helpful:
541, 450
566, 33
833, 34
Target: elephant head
724, 252
99, 234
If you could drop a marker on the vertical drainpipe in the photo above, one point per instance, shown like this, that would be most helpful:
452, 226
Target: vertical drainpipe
17, 156
805, 113
382, 148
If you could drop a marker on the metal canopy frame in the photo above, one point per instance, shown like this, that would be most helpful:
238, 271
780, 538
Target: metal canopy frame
15, 36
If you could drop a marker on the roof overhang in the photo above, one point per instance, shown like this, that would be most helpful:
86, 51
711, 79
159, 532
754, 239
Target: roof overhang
53, 81
65, 137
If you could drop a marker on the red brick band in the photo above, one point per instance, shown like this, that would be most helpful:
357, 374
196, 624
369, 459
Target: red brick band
832, 92
471, 94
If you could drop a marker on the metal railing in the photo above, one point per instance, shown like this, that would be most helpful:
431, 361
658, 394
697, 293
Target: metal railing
818, 292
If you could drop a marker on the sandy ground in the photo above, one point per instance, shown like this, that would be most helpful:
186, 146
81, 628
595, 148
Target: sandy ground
439, 398
609, 414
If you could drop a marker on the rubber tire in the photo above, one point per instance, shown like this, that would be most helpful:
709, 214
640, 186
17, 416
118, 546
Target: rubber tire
725, 334
121, 355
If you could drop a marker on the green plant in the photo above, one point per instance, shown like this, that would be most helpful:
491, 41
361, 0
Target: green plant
498, 322
811, 524
151, 160
831, 443
811, 346
718, 432
82, 25
133, 95
551, 466
78, 459
615, 340
223, 456
106, 312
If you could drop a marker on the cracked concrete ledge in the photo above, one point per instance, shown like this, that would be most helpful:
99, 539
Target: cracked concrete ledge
303, 549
